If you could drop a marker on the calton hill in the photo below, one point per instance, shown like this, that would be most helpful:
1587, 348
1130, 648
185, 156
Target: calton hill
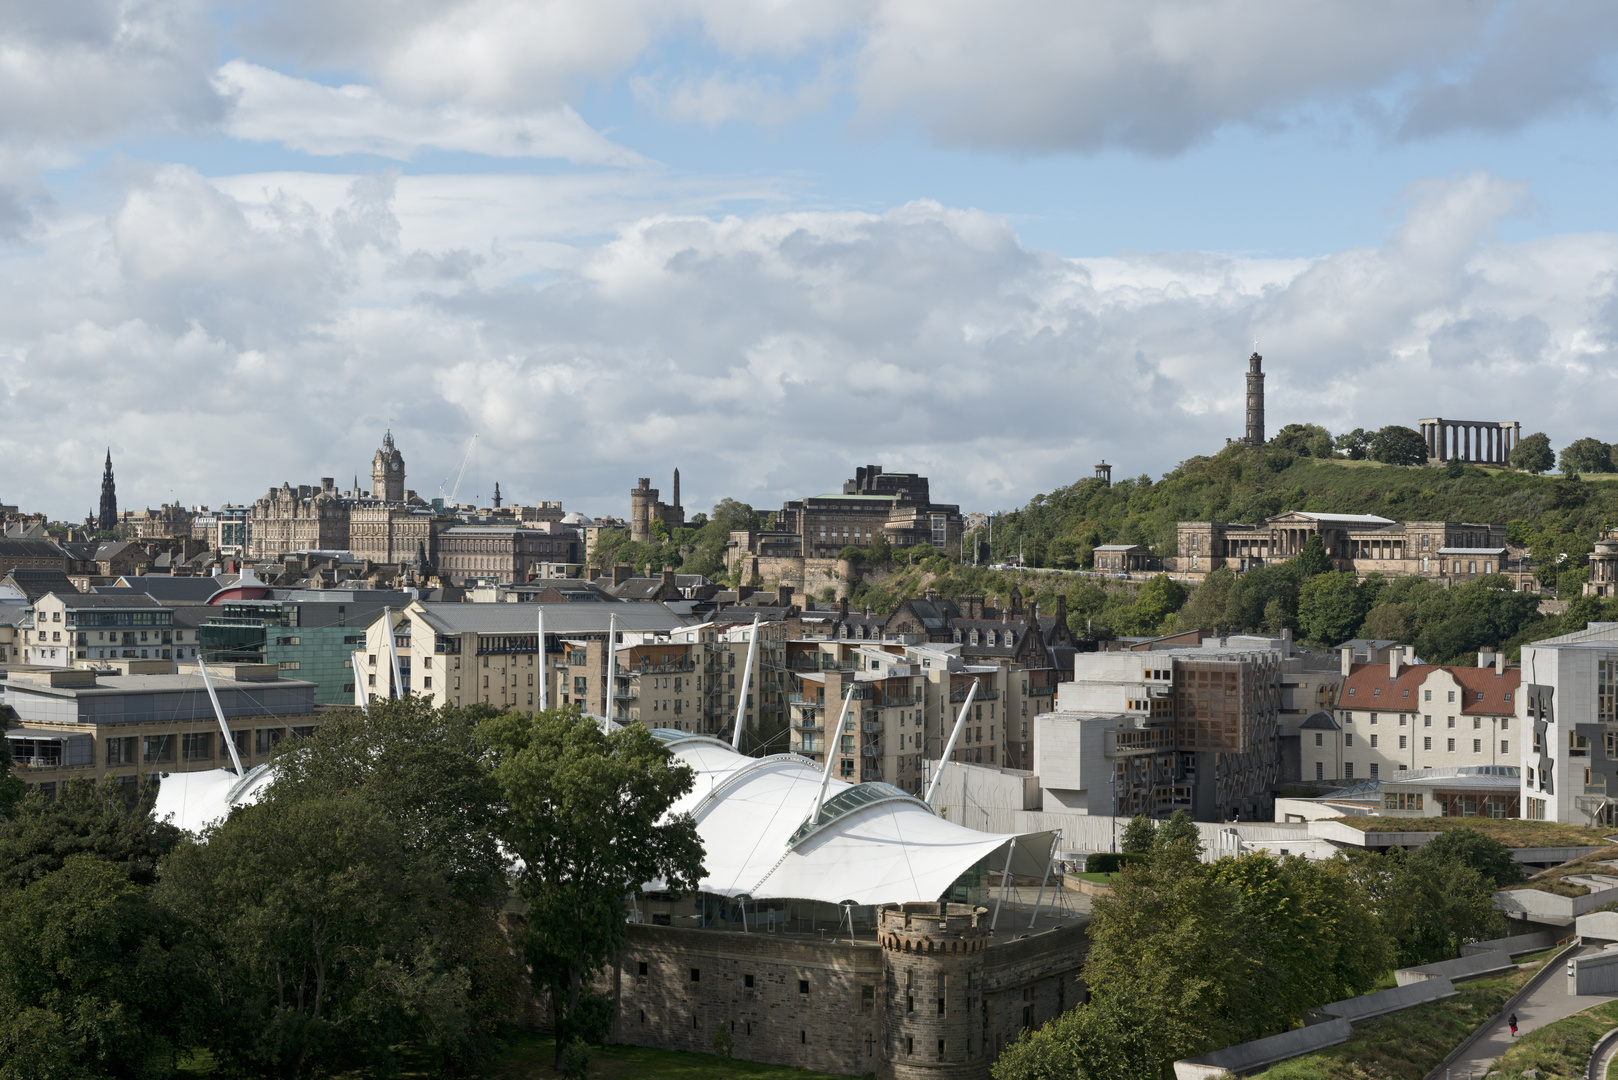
1555, 516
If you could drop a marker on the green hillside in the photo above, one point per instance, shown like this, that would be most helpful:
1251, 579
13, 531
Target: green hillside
1553, 515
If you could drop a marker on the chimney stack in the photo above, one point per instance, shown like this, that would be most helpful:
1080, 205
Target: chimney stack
1395, 655
1500, 663
1346, 653
668, 575
621, 572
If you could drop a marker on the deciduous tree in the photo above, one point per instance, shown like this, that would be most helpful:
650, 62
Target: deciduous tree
1533, 453
585, 812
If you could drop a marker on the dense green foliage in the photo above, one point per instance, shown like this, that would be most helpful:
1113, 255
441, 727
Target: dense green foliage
1247, 485
360, 908
91, 983
584, 812
1190, 957
697, 549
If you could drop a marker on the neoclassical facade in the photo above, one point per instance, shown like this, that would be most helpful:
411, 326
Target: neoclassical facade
1453, 551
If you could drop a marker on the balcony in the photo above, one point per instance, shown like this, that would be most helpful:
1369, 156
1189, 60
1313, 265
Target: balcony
871, 751
809, 724
624, 693
802, 699
678, 668
985, 693
873, 729
1041, 691
901, 702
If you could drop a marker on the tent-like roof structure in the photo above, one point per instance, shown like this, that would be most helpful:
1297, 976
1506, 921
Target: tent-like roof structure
870, 844
196, 800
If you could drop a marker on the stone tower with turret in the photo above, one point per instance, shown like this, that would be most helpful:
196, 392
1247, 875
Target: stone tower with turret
933, 966
1255, 400
388, 472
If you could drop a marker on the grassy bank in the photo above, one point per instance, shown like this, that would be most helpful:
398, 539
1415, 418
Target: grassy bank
528, 1056
1408, 1044
1559, 1051
1551, 880
1509, 831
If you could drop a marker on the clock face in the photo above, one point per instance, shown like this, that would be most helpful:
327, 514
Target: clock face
395, 466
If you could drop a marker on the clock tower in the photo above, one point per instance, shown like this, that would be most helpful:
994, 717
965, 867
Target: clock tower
387, 472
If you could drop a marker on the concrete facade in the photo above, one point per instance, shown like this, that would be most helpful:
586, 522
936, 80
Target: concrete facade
1568, 712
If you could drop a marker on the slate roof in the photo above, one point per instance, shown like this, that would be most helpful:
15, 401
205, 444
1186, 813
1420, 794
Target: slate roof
1321, 721
78, 601
559, 618
34, 582
176, 590
13, 548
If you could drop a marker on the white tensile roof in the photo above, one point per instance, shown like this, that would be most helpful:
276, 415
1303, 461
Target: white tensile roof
196, 800
874, 843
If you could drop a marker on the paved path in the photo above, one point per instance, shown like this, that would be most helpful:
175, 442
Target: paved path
1546, 1005
1605, 1064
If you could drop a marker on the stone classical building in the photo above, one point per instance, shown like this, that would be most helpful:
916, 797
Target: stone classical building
1483, 441
502, 553
1604, 566
170, 519
1450, 551
303, 518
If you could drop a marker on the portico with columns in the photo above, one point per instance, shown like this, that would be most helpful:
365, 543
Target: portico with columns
1483, 442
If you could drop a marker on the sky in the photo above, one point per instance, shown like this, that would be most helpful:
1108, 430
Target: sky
572, 244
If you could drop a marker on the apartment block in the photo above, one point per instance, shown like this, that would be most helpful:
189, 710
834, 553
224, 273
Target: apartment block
61, 629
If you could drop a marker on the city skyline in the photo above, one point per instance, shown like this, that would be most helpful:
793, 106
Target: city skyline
240, 242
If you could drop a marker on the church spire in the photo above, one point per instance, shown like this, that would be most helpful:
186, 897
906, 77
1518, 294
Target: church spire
107, 520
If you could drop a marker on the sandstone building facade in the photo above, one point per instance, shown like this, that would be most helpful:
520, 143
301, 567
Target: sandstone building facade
1449, 551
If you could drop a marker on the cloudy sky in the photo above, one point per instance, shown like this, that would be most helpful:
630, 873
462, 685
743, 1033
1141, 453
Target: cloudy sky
767, 241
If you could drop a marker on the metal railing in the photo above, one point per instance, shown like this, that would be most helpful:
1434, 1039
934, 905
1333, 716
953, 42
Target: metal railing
985, 693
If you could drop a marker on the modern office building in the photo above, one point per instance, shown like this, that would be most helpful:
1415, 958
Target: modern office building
86, 723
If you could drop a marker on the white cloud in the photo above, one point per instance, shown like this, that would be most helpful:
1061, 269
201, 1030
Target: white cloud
76, 71
268, 106
241, 333
1021, 75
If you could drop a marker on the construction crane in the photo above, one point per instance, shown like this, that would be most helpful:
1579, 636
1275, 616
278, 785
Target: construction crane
450, 499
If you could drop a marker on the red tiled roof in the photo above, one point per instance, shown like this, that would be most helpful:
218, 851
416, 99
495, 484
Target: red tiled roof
1486, 692
1366, 679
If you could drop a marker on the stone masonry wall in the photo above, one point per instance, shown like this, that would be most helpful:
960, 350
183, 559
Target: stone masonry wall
810, 1004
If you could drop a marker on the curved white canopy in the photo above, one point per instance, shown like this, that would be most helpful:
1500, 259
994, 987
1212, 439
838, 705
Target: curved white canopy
195, 800
874, 845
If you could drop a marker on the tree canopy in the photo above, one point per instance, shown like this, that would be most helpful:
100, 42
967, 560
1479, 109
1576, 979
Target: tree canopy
1532, 454
584, 811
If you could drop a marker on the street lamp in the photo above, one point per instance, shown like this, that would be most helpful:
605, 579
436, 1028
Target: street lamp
1114, 780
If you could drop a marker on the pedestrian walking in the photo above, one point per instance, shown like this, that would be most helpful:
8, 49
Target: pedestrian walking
1513, 1023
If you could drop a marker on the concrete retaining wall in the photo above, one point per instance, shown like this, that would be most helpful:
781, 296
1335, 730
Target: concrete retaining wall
1547, 907
1250, 1056
1519, 944
1464, 967
1593, 974
1385, 1001
1598, 926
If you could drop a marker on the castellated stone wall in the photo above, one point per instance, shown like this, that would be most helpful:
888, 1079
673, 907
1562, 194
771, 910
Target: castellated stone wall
854, 1009
811, 1004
